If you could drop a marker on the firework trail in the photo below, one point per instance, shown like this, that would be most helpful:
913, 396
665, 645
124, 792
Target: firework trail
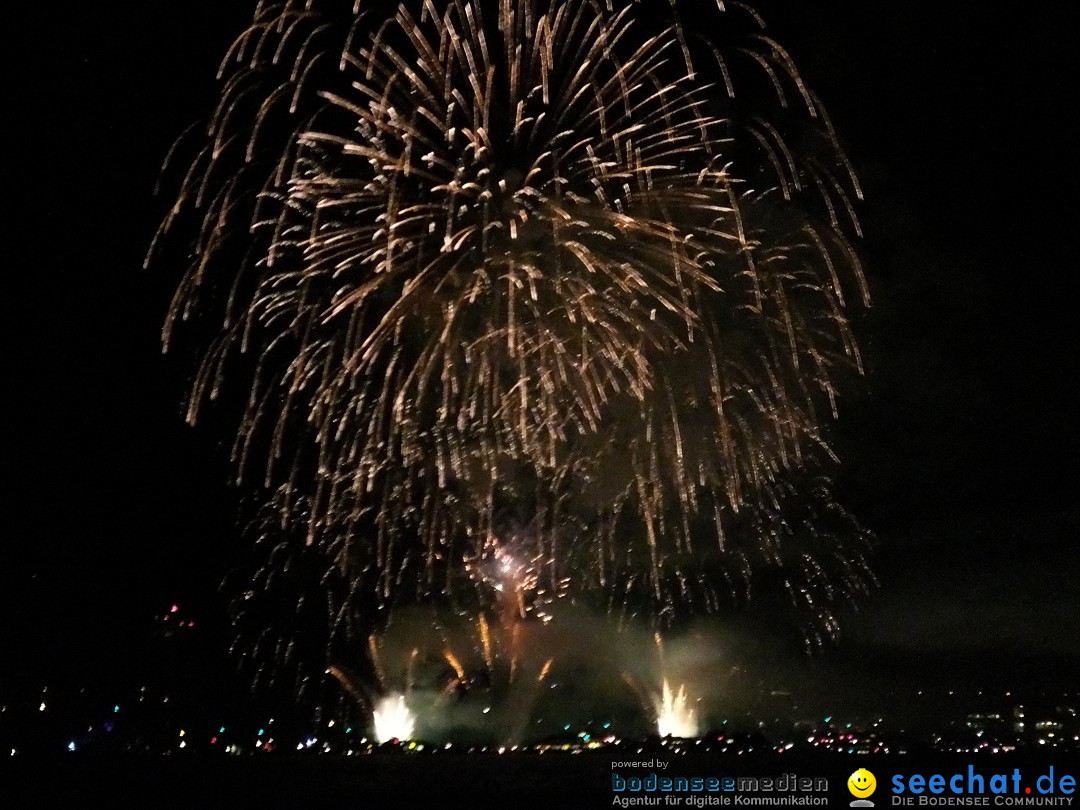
526, 283
293, 611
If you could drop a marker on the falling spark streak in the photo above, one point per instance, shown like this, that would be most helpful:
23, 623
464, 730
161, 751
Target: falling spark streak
452, 660
544, 670
485, 638
536, 266
347, 684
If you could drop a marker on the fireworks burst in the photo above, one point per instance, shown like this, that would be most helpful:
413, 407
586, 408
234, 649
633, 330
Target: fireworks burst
453, 673
393, 719
675, 717
494, 265
505, 567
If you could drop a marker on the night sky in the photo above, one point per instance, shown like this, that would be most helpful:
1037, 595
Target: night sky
959, 449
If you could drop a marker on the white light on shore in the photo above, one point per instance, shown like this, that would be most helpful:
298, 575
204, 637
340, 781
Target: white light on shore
393, 720
674, 716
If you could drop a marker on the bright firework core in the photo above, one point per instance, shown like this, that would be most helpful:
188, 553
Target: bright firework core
674, 716
393, 719
511, 567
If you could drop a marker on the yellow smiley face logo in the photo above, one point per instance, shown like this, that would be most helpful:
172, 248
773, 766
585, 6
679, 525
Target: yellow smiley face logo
861, 783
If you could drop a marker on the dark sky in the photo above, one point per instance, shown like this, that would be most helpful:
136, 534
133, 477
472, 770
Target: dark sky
960, 452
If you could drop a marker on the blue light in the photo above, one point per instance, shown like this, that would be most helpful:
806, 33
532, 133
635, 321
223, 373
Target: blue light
262, 731
71, 746
115, 709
